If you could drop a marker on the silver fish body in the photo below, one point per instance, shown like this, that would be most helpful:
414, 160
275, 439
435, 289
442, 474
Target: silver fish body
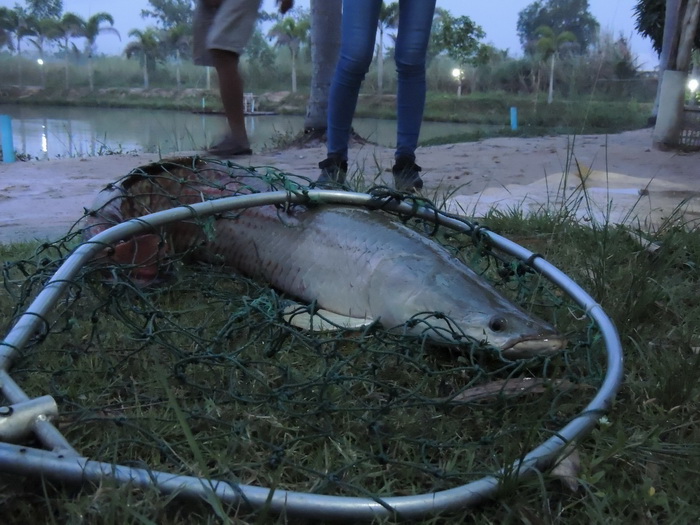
357, 263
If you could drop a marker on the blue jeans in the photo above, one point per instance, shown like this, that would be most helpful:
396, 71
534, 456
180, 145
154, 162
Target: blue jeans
359, 31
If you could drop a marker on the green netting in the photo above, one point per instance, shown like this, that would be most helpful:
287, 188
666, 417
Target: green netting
201, 375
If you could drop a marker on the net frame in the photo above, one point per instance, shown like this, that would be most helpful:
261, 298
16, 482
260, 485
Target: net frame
60, 461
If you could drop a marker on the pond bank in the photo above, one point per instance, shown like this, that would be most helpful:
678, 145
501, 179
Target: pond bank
640, 185
536, 116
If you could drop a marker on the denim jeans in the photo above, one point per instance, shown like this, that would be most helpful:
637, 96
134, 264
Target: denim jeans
359, 31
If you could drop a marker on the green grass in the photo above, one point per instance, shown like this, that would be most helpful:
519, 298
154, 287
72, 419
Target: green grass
201, 376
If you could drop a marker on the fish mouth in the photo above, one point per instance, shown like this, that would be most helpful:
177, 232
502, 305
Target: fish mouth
533, 347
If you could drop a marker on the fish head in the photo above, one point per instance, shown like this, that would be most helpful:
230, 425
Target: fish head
505, 326
459, 306
513, 331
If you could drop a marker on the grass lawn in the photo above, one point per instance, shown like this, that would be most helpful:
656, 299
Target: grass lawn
200, 376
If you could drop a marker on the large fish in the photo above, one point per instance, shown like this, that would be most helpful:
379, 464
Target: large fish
351, 261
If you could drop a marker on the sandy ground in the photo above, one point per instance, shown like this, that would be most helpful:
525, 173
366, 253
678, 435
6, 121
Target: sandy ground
625, 178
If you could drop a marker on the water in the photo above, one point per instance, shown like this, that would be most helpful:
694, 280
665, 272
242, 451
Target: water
47, 132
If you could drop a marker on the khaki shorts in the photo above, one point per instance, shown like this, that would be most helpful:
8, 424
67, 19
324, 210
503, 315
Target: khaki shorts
228, 27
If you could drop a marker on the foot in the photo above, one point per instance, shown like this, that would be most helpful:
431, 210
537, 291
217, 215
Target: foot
406, 174
333, 172
229, 148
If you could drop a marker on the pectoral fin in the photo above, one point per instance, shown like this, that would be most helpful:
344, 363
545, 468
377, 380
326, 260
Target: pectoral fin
322, 320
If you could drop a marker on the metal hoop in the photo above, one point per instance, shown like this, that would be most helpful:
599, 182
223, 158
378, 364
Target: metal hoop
62, 462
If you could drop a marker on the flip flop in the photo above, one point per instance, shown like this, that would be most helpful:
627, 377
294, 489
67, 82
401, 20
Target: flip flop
225, 153
227, 148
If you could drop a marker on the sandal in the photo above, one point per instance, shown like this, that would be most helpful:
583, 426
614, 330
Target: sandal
228, 148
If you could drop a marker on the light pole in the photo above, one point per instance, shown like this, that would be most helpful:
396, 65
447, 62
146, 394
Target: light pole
458, 75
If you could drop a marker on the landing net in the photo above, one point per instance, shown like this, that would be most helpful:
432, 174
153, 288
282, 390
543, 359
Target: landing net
201, 377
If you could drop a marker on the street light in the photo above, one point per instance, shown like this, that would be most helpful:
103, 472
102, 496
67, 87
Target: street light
458, 75
693, 87
40, 61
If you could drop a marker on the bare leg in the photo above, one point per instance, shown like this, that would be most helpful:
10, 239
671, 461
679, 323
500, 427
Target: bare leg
231, 91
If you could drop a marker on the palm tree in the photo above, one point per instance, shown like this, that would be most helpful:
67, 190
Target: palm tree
548, 45
70, 25
291, 32
177, 41
388, 19
91, 30
5, 39
44, 30
147, 47
325, 45
6, 28
16, 22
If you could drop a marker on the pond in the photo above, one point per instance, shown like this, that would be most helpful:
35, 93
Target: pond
46, 132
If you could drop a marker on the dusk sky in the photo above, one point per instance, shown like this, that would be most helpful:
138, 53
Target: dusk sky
497, 18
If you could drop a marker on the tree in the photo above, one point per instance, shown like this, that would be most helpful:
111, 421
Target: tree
436, 45
6, 28
16, 23
41, 9
325, 46
388, 19
650, 16
548, 45
177, 42
147, 47
70, 26
258, 52
292, 32
5, 38
170, 14
561, 16
460, 38
91, 30
681, 21
43, 31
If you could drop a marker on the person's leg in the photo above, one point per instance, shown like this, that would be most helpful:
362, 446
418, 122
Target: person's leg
359, 30
415, 21
233, 24
231, 91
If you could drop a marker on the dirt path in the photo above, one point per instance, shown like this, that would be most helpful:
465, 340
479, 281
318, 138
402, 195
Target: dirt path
626, 179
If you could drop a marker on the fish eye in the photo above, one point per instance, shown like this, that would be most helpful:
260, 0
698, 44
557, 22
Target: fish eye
497, 324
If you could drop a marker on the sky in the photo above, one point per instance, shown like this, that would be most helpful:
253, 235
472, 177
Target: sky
498, 18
